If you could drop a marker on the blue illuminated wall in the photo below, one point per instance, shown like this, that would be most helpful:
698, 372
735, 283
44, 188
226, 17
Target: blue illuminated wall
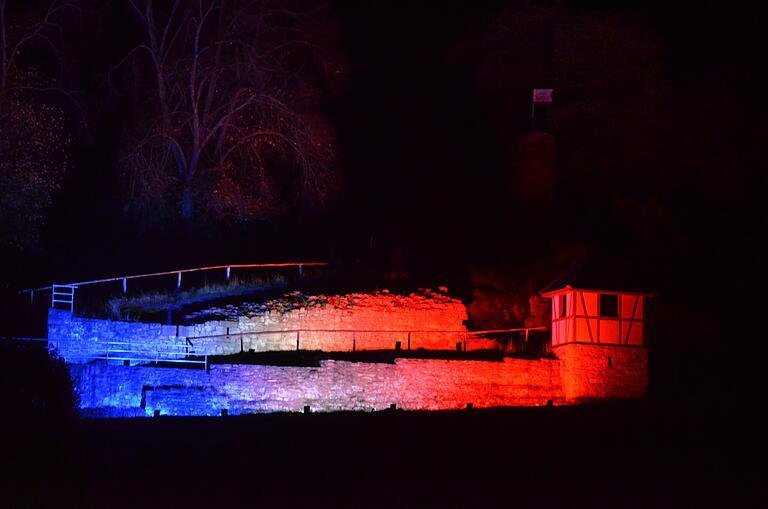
415, 384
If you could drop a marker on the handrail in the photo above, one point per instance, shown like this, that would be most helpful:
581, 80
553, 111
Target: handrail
411, 331
179, 345
108, 357
13, 338
158, 351
153, 359
159, 355
494, 331
299, 264
155, 354
468, 338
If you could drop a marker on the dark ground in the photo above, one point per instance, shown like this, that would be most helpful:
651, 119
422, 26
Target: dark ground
648, 454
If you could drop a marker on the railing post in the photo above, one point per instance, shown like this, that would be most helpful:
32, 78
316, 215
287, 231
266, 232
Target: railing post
178, 280
409, 340
298, 333
125, 285
228, 273
354, 341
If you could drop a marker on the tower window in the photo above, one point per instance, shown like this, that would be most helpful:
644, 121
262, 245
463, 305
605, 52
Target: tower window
609, 305
563, 303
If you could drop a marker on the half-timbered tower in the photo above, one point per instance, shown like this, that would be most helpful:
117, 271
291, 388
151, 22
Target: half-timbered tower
599, 332
581, 315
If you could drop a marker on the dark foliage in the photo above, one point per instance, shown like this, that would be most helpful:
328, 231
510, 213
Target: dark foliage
39, 427
36, 384
34, 130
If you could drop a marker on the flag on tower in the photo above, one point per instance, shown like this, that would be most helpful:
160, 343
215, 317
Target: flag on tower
542, 95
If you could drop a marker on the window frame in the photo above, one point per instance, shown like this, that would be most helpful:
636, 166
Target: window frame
600, 307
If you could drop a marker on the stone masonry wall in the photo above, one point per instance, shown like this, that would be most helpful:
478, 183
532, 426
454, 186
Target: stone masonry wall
375, 314
599, 371
333, 325
413, 384
78, 339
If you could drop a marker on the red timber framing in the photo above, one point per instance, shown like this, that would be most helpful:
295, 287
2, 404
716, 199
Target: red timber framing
583, 321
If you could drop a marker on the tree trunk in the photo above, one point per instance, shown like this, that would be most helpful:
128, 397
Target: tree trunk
187, 209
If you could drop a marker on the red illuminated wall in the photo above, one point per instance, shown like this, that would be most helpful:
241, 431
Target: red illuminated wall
581, 374
581, 371
331, 327
601, 351
602, 371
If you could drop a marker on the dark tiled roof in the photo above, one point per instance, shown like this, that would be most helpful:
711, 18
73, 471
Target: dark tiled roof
603, 273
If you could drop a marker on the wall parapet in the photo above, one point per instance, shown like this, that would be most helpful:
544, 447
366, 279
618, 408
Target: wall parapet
384, 325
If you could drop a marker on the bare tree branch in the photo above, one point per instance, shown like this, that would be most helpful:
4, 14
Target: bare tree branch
227, 78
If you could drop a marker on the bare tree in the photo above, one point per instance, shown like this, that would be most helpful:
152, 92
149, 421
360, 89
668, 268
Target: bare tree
232, 129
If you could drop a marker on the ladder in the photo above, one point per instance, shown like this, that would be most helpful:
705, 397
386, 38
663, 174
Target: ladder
63, 294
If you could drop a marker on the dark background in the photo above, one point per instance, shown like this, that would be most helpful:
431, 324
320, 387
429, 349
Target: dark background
425, 127
424, 140
422, 148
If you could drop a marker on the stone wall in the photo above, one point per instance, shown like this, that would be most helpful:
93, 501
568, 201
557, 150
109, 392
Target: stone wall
331, 327
593, 371
412, 384
81, 339
392, 316
581, 372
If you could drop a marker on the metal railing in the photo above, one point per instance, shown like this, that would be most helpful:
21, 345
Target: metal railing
405, 336
66, 292
24, 341
194, 351
154, 352
520, 341
63, 294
